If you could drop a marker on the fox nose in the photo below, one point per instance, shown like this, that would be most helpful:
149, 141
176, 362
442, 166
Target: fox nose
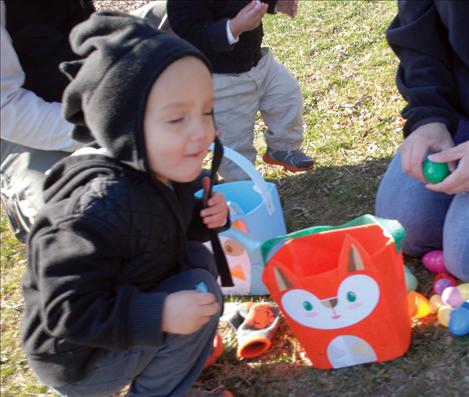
331, 303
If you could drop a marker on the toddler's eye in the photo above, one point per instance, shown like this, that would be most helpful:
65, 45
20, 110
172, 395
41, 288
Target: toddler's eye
351, 297
307, 306
209, 113
175, 121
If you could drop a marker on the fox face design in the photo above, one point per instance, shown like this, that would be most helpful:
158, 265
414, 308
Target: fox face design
357, 296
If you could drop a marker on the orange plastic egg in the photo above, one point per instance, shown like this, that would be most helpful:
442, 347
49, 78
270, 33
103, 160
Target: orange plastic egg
419, 306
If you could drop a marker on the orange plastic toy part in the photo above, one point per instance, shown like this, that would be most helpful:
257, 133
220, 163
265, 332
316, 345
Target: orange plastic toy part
343, 294
259, 327
419, 305
216, 352
255, 347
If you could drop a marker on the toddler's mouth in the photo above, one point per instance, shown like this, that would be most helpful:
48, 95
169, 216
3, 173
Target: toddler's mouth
195, 154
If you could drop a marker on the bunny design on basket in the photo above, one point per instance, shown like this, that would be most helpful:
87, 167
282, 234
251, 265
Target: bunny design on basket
238, 260
256, 216
340, 316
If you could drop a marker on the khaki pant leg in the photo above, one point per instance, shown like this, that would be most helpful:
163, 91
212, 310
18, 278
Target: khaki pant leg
281, 105
22, 174
235, 109
155, 11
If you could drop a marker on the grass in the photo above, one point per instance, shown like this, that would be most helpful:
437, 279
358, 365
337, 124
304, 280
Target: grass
338, 52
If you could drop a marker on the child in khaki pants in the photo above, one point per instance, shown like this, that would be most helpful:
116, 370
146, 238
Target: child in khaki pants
247, 78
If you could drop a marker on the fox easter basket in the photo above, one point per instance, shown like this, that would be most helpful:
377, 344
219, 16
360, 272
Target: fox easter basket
342, 290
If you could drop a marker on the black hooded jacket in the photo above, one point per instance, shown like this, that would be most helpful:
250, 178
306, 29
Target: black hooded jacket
107, 235
109, 232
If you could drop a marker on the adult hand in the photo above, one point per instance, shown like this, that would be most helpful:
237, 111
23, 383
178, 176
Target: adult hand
289, 7
216, 213
431, 137
248, 18
185, 312
458, 180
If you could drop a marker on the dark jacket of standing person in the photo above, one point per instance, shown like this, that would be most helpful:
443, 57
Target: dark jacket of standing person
433, 75
203, 23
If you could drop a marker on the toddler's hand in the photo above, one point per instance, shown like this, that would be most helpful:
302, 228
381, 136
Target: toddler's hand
185, 312
216, 213
289, 7
248, 18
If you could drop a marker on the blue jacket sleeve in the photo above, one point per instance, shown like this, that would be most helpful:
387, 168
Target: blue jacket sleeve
425, 77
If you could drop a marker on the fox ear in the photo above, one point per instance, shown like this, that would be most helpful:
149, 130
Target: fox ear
281, 279
353, 256
355, 261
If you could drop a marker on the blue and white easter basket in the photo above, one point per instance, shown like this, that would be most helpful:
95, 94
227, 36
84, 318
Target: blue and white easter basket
256, 216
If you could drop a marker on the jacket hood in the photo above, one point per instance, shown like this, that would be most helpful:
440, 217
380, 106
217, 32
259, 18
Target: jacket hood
75, 171
122, 56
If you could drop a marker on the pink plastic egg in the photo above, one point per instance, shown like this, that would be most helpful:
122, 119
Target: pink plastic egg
433, 261
441, 282
452, 296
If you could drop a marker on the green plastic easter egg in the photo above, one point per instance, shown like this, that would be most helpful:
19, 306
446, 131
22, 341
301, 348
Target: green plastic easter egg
435, 172
410, 280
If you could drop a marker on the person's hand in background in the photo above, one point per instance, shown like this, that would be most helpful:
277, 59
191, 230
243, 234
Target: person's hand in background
289, 7
427, 139
458, 180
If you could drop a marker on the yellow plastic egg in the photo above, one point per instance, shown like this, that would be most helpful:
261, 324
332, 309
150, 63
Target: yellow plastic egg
443, 315
464, 289
435, 303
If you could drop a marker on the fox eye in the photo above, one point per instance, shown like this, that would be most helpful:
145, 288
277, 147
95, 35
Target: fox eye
307, 306
351, 297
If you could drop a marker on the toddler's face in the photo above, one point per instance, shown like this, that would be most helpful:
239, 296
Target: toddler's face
178, 125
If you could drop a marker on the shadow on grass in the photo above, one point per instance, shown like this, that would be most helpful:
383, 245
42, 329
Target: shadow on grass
330, 195
436, 364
